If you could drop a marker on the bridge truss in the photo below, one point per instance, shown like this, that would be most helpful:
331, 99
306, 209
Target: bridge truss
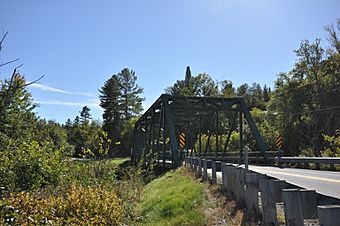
210, 126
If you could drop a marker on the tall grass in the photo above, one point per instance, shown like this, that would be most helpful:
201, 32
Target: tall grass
174, 199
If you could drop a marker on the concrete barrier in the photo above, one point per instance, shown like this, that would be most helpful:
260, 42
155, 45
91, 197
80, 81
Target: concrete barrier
329, 215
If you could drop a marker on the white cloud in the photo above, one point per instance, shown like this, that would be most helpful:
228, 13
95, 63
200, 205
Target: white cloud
57, 90
94, 103
48, 88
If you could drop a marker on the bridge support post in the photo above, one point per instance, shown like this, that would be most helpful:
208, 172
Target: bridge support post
205, 169
213, 170
329, 215
293, 207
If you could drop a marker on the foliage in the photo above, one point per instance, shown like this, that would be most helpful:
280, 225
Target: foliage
87, 137
30, 166
130, 103
307, 98
200, 85
174, 199
17, 118
332, 148
78, 206
121, 101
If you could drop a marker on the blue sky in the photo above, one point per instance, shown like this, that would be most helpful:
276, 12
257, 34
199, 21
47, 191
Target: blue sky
79, 44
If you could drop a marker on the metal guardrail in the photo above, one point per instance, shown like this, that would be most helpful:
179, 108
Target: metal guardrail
318, 160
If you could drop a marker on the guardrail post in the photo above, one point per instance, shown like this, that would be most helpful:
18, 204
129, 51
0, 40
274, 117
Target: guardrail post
195, 164
239, 187
293, 207
208, 167
231, 179
199, 167
191, 163
213, 170
186, 162
252, 193
224, 175
309, 204
205, 169
329, 215
268, 203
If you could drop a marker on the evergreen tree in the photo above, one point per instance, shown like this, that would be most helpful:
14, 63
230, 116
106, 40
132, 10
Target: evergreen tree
121, 101
17, 119
109, 101
85, 115
188, 81
130, 101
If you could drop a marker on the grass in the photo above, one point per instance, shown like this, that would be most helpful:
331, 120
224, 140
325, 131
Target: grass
174, 199
178, 198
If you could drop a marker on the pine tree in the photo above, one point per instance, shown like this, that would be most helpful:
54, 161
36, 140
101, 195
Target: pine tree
85, 115
121, 101
109, 101
129, 102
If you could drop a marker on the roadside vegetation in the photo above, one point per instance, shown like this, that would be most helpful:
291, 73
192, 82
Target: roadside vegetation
179, 198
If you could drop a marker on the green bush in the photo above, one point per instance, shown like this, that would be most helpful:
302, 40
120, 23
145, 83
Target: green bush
30, 166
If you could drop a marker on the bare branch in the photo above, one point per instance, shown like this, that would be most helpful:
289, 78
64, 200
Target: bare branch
2, 40
37, 80
9, 62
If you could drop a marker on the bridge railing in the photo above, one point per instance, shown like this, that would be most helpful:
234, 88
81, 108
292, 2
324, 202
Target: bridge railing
308, 160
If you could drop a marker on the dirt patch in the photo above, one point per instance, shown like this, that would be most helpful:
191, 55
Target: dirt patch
222, 210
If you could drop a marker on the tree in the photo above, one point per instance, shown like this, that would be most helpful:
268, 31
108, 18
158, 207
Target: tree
85, 115
130, 102
109, 101
227, 89
121, 101
17, 118
200, 85
306, 99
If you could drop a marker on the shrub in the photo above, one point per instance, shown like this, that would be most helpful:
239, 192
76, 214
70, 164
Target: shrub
78, 206
30, 166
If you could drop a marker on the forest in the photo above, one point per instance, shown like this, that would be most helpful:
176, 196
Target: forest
49, 171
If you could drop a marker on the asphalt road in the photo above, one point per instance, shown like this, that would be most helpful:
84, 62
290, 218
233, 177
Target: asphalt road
323, 182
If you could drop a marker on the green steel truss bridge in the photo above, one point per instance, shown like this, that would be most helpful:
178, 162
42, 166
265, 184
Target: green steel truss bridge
175, 127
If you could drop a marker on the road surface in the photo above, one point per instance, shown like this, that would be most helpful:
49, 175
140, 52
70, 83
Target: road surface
323, 182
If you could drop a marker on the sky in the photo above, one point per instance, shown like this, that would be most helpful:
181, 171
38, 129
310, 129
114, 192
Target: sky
77, 45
